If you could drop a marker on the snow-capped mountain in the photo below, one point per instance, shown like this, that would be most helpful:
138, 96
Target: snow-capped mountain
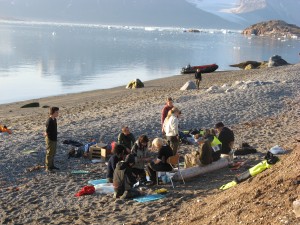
247, 12
228, 14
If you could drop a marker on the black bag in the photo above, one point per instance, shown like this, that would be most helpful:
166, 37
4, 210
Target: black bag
271, 159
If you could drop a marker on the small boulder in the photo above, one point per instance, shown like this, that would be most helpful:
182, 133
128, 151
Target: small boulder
276, 60
190, 85
31, 105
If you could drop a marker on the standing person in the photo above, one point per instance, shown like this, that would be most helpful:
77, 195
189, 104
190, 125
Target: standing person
226, 136
126, 138
160, 164
141, 153
171, 129
198, 78
51, 139
169, 105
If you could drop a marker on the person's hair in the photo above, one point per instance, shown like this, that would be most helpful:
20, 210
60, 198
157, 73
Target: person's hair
172, 111
53, 109
219, 125
119, 149
143, 139
213, 132
130, 159
158, 142
124, 128
169, 99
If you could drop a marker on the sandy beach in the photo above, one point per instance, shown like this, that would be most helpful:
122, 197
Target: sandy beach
260, 106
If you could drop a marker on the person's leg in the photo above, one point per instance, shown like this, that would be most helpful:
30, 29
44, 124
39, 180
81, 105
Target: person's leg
151, 171
174, 144
50, 149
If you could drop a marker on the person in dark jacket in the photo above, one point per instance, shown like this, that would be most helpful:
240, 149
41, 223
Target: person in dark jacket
126, 138
118, 154
160, 164
226, 136
124, 179
51, 139
198, 78
206, 151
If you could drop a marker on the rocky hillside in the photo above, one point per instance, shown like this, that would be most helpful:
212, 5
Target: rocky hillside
273, 28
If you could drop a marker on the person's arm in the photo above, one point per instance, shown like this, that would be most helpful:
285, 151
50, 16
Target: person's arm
163, 115
120, 139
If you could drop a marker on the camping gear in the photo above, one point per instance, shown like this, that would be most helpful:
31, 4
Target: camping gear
277, 150
86, 190
73, 143
99, 151
29, 151
137, 83
4, 129
80, 172
198, 170
148, 198
203, 69
174, 163
253, 171
105, 188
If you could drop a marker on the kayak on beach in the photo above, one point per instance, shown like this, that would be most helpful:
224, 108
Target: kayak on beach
203, 69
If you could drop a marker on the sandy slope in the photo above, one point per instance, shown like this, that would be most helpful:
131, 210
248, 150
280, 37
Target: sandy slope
261, 113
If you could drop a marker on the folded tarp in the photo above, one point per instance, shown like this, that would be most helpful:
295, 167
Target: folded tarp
95, 182
198, 170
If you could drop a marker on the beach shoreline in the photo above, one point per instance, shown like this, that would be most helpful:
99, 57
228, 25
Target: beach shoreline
261, 106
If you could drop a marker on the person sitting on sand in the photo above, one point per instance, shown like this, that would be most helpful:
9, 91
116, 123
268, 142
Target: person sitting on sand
206, 151
160, 164
141, 153
124, 179
126, 138
169, 105
171, 129
226, 136
118, 155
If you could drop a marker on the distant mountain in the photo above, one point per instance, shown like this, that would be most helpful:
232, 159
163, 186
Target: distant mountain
178, 13
248, 12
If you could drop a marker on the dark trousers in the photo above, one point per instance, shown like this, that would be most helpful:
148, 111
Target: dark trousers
140, 173
152, 168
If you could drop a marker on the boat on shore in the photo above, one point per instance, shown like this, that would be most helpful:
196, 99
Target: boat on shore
203, 69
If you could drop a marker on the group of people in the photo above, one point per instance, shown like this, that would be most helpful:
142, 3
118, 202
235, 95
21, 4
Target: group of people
131, 161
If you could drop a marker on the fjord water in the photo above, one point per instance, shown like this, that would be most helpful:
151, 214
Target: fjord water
39, 60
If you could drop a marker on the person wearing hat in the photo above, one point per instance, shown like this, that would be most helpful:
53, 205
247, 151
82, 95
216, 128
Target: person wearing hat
124, 179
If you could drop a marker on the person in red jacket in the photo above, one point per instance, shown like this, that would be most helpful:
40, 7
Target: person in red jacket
169, 105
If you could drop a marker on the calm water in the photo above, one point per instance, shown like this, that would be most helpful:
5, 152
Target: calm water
38, 60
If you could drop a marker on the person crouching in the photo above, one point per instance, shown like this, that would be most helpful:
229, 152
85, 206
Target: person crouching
124, 179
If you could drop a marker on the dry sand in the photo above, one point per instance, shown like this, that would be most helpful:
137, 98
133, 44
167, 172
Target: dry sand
261, 106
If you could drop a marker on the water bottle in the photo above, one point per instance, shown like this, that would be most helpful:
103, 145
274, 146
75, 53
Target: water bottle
296, 206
